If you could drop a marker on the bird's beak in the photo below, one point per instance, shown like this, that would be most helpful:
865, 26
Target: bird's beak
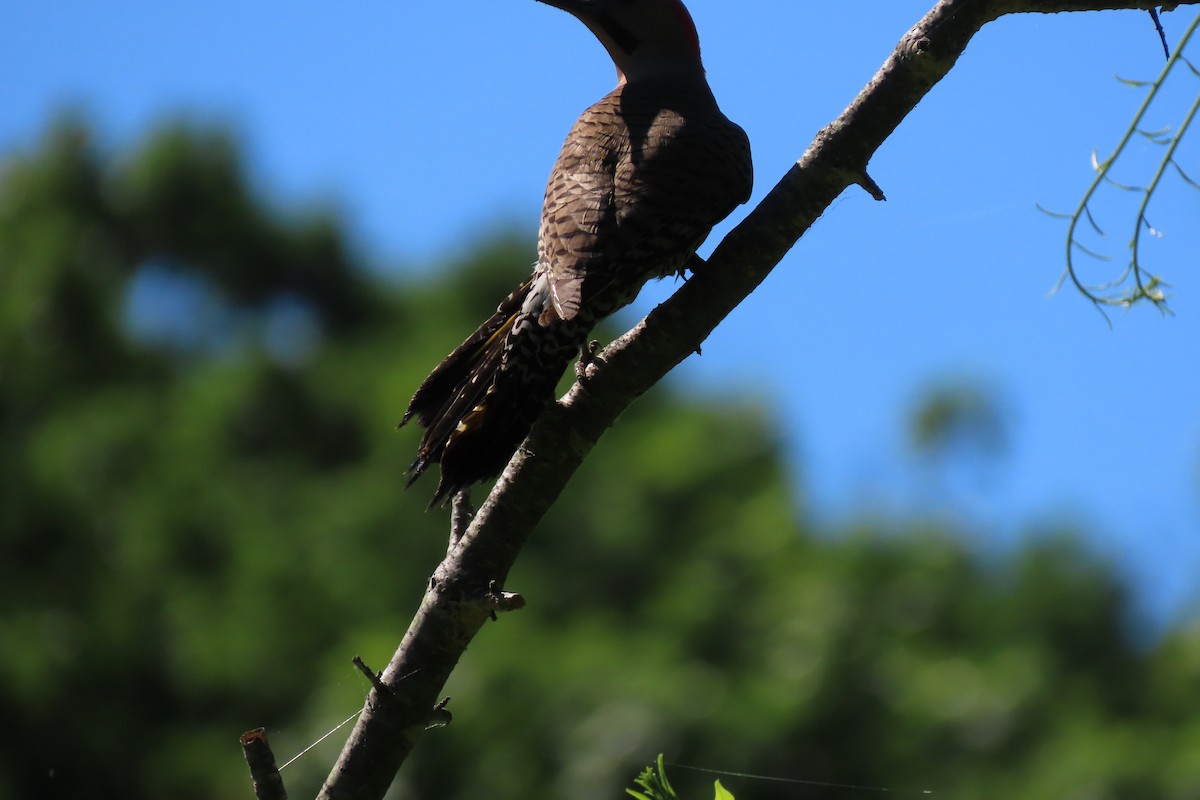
576, 7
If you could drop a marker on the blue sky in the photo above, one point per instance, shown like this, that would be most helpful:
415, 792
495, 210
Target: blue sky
432, 125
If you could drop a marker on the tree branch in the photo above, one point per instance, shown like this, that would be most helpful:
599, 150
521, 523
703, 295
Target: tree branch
463, 592
268, 785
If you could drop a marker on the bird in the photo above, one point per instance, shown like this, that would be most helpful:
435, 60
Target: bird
643, 176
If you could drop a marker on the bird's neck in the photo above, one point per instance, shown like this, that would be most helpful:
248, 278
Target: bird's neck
688, 87
651, 70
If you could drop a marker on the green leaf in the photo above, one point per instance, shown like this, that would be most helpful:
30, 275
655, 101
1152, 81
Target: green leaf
655, 783
720, 792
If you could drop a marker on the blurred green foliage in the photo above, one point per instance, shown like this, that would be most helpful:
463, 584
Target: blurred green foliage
201, 522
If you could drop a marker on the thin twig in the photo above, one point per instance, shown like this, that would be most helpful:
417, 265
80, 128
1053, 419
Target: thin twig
1144, 288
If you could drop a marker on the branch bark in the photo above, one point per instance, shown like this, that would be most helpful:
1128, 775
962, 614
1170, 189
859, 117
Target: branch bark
463, 592
268, 785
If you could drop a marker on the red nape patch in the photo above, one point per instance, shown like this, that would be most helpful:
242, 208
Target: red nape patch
689, 27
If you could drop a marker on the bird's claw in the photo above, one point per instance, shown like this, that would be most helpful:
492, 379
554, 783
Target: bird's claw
588, 361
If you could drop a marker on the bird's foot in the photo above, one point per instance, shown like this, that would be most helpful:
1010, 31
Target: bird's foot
694, 265
588, 361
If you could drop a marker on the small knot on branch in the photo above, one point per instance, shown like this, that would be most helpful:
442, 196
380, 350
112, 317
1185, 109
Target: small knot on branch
439, 716
375, 678
869, 186
498, 600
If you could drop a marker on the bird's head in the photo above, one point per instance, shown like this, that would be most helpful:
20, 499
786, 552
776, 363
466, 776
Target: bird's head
646, 38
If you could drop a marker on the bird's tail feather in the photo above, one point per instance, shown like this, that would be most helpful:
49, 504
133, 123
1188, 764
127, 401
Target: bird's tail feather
475, 417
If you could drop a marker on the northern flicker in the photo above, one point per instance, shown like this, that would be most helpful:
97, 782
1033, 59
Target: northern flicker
642, 178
